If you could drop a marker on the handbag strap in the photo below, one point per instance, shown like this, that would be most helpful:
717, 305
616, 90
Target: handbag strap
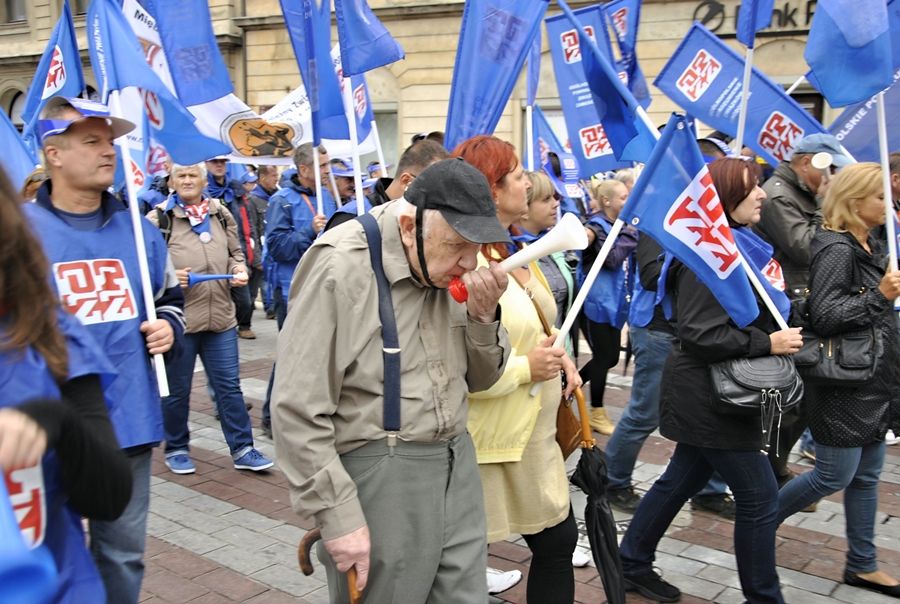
540, 313
391, 341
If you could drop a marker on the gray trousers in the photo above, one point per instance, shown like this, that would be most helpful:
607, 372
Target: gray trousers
425, 510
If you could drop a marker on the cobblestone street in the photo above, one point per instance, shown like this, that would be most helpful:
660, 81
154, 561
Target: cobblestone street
223, 535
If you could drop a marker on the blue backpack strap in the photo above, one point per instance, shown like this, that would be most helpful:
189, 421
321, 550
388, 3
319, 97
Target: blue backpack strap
391, 341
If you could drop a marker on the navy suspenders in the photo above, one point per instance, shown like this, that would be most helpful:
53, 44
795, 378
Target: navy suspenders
391, 341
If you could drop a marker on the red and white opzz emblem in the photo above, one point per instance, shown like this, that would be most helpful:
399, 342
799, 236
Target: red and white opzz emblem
774, 275
56, 74
95, 291
27, 496
570, 45
359, 101
699, 75
594, 142
620, 22
698, 220
780, 135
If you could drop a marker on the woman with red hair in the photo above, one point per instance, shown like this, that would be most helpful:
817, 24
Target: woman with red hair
522, 469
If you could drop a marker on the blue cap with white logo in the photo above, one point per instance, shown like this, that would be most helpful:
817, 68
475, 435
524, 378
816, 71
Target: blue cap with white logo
87, 109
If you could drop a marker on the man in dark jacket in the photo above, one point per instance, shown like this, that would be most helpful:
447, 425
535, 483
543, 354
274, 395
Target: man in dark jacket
266, 186
790, 218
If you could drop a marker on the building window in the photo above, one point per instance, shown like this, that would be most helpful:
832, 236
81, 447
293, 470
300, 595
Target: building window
812, 102
79, 7
15, 110
12, 11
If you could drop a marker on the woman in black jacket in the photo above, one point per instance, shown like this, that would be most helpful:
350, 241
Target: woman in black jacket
709, 439
849, 291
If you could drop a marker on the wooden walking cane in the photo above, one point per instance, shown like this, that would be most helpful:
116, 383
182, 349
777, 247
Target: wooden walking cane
587, 435
303, 559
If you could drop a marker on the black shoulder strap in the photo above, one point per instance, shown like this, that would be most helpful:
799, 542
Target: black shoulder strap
391, 341
164, 220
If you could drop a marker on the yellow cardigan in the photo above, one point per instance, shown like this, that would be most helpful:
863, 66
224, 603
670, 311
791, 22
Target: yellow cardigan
501, 419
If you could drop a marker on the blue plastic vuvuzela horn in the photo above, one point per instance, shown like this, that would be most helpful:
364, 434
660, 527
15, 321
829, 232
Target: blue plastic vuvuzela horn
26, 575
194, 279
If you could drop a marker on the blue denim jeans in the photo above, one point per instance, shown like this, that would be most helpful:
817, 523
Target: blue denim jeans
219, 353
641, 416
856, 470
755, 490
118, 546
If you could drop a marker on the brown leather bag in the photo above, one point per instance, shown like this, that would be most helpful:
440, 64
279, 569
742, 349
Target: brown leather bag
568, 427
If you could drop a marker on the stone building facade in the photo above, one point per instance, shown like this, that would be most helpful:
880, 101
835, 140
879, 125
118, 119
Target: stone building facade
411, 96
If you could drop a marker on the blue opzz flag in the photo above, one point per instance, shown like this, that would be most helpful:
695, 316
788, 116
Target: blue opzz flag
365, 42
617, 108
625, 16
545, 140
309, 26
119, 62
587, 136
857, 126
675, 202
494, 39
704, 78
753, 15
849, 50
17, 159
359, 94
58, 72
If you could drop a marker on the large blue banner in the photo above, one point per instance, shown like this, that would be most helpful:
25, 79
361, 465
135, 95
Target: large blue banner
625, 16
365, 42
496, 36
704, 78
587, 136
857, 126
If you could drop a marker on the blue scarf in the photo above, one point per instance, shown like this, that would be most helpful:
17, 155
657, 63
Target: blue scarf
525, 236
758, 254
198, 227
225, 192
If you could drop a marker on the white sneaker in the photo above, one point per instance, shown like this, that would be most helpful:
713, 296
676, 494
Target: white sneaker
499, 581
580, 558
890, 438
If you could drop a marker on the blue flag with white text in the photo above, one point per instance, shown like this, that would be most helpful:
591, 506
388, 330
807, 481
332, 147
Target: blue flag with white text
545, 140
753, 15
857, 126
118, 62
704, 77
58, 72
365, 42
17, 160
625, 16
496, 36
587, 136
675, 202
617, 108
849, 50
309, 25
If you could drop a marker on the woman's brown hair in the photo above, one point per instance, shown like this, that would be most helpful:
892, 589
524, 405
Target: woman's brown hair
728, 177
28, 305
495, 159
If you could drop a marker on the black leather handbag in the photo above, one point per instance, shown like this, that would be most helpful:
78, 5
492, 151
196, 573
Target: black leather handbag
846, 359
768, 386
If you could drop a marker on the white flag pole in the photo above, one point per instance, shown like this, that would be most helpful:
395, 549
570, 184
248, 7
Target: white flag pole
137, 226
318, 176
886, 181
529, 137
378, 149
795, 85
350, 110
745, 100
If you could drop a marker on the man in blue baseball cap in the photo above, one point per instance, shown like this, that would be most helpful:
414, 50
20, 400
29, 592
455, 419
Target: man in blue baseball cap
89, 240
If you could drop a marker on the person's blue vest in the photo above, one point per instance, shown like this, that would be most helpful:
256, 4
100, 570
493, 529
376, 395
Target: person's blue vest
351, 206
607, 301
96, 275
37, 496
640, 311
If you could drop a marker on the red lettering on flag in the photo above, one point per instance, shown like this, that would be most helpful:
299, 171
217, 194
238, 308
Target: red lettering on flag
154, 109
698, 220
620, 22
772, 272
780, 135
95, 291
156, 162
27, 496
570, 45
56, 74
137, 175
594, 142
699, 75
359, 101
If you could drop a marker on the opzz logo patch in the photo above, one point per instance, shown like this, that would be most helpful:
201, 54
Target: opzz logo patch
620, 22
780, 135
594, 142
570, 45
699, 75
359, 101
27, 496
95, 291
698, 220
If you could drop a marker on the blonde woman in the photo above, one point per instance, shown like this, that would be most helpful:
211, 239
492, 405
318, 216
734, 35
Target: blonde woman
850, 290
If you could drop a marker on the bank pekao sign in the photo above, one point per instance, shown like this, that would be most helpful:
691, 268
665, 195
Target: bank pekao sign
788, 17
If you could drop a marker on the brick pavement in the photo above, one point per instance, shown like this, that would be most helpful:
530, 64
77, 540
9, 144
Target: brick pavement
221, 535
